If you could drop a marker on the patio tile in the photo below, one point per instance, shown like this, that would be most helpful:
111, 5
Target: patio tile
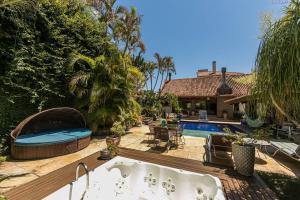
193, 149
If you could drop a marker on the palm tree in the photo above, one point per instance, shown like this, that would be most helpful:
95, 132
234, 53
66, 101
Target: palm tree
169, 67
160, 68
20, 3
149, 68
127, 29
104, 89
4, 3
107, 12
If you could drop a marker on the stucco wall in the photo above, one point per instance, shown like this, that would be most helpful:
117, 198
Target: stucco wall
221, 106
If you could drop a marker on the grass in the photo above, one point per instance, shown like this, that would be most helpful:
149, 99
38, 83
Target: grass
285, 187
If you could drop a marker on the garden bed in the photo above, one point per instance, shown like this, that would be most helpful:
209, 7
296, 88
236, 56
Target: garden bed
285, 187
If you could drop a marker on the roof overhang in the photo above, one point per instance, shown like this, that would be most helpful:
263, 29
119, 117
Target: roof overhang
240, 99
196, 97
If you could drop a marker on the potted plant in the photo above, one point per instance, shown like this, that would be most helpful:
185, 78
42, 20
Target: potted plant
113, 150
225, 114
243, 154
117, 131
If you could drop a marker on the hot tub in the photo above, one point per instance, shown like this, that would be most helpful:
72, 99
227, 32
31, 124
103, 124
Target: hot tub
127, 179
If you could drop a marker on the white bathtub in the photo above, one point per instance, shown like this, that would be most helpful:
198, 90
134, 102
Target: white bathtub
128, 179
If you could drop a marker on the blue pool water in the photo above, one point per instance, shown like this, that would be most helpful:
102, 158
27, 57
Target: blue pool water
202, 129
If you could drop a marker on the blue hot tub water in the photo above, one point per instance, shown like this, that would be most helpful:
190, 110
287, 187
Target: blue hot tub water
201, 129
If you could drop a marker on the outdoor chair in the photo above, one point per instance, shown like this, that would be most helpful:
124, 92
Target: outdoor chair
203, 115
156, 130
289, 132
147, 120
163, 137
296, 135
180, 136
151, 133
218, 142
290, 149
285, 130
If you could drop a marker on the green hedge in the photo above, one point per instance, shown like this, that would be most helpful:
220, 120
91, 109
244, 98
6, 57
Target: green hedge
10, 115
36, 42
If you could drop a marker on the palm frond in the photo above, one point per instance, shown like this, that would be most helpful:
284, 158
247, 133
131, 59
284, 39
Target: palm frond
79, 57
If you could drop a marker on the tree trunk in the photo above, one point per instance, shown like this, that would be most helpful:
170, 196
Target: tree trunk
126, 46
167, 75
162, 78
151, 78
157, 76
283, 112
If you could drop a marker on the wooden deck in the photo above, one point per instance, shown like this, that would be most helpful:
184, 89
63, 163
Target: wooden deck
235, 186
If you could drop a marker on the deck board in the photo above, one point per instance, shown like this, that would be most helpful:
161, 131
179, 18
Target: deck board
235, 186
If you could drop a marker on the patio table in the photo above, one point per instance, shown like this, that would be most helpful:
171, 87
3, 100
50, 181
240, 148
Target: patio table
261, 144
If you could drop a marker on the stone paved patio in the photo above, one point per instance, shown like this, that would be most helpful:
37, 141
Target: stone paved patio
14, 173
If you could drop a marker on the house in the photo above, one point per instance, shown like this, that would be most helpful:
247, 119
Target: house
214, 91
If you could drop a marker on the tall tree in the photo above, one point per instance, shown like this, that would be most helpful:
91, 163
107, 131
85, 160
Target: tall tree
127, 29
277, 67
169, 67
149, 68
107, 12
160, 68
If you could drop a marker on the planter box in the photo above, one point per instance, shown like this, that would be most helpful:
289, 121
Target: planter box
244, 159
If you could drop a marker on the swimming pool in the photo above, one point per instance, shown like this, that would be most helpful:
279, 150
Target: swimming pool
203, 129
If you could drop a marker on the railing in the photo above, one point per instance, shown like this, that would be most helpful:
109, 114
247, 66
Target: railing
76, 179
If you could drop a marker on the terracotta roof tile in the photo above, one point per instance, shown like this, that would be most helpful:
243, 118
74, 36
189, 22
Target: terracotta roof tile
206, 86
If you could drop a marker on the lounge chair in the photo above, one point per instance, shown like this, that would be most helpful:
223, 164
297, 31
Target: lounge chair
203, 115
50, 133
288, 148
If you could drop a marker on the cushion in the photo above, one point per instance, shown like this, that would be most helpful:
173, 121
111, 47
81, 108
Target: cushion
78, 132
52, 137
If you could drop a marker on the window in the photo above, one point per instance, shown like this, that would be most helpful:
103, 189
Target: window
200, 105
189, 105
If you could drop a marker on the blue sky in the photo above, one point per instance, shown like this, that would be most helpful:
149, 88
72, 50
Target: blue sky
196, 32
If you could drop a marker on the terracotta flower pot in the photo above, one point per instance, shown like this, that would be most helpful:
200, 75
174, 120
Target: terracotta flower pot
113, 140
244, 158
